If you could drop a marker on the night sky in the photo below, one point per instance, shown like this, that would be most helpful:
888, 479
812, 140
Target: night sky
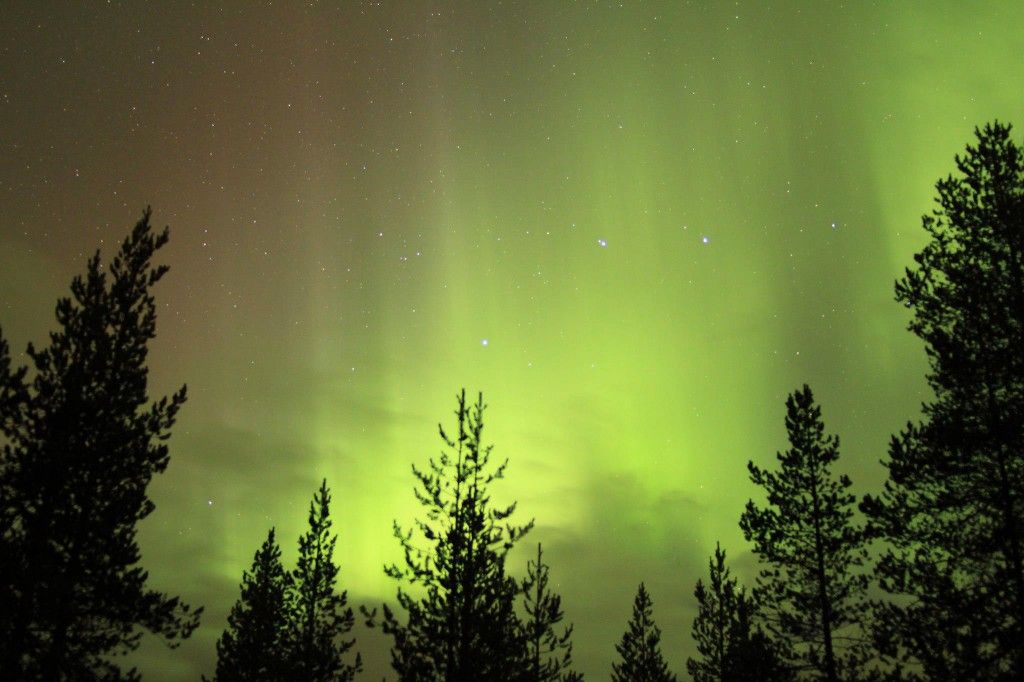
635, 227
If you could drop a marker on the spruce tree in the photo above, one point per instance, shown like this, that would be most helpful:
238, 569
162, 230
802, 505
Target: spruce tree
731, 647
319, 616
549, 653
952, 510
253, 646
459, 621
81, 443
810, 588
640, 650
713, 625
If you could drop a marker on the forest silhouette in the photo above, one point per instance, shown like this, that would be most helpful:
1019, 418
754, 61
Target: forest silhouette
923, 580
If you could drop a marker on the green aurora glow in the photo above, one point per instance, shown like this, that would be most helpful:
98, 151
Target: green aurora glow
359, 196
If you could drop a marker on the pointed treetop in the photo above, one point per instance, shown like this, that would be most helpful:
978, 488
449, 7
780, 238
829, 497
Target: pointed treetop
640, 651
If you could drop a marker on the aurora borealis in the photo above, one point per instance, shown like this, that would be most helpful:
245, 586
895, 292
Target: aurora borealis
636, 227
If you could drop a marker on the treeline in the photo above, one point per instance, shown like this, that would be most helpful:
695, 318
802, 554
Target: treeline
922, 581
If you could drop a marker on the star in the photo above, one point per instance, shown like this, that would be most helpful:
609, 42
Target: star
705, 239
485, 342
602, 242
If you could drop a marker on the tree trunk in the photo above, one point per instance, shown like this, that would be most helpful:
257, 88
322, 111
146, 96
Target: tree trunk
826, 611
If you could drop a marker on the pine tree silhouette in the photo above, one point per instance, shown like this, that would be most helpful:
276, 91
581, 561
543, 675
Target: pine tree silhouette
752, 656
810, 588
730, 646
460, 625
715, 620
81, 443
319, 616
639, 650
952, 511
549, 653
14, 398
253, 645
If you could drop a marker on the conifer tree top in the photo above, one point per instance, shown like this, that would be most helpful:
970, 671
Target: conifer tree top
82, 441
640, 658
463, 625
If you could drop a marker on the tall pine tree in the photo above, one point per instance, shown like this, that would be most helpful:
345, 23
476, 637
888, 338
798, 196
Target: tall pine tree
811, 588
640, 658
254, 645
319, 616
731, 647
549, 652
952, 511
82, 441
460, 624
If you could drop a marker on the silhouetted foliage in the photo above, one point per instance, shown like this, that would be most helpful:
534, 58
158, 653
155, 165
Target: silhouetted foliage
640, 658
319, 616
461, 623
752, 656
291, 625
952, 509
715, 620
81, 443
809, 589
549, 653
13, 398
253, 646
730, 646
